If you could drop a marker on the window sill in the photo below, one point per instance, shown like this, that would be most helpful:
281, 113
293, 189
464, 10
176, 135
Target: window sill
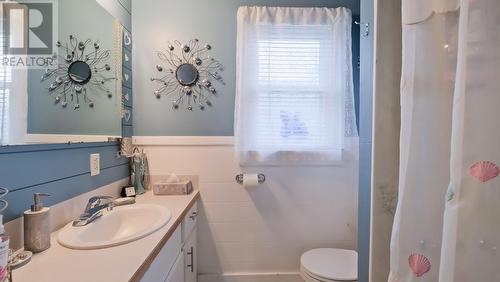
295, 159
294, 164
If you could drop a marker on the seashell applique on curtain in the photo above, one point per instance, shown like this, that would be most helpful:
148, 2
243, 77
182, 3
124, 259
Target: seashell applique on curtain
484, 171
419, 264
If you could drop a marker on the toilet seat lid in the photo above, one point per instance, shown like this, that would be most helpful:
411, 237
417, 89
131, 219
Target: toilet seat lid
332, 264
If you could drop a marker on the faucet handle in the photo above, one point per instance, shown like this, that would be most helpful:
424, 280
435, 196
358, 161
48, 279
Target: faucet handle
96, 201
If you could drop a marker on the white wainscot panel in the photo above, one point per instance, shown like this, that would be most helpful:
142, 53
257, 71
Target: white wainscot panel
252, 234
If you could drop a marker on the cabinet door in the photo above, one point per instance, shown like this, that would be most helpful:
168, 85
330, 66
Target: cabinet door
161, 265
190, 258
177, 272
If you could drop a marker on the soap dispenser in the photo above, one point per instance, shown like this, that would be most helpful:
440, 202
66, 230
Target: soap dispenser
37, 226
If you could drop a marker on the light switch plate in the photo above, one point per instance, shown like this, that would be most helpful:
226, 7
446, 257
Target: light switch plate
95, 164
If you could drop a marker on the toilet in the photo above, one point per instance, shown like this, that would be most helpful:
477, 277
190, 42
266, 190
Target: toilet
329, 265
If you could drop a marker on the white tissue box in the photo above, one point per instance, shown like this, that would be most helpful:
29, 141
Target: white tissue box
179, 188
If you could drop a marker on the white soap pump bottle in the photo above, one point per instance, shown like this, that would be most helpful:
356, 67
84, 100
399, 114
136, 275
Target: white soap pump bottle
37, 226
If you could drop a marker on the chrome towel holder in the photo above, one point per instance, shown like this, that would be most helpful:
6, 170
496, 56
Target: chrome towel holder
4, 204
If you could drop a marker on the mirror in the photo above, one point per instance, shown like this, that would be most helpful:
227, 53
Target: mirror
187, 74
79, 72
78, 97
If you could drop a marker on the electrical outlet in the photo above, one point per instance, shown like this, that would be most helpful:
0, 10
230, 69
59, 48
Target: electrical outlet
95, 164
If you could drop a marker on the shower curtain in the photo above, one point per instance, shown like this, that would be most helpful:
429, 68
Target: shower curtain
446, 227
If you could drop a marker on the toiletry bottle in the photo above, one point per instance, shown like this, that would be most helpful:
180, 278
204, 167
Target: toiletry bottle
37, 226
4, 252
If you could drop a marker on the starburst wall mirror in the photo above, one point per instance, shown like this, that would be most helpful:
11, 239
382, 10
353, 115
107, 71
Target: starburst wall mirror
189, 74
80, 68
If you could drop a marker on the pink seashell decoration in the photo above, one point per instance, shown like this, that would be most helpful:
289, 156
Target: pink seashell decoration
484, 171
3, 273
419, 264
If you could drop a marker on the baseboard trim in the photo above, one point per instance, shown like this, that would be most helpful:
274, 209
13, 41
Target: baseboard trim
254, 277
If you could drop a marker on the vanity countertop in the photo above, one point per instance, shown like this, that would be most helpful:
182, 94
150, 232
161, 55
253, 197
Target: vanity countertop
126, 262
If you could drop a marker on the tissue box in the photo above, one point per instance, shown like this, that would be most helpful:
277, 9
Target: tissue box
179, 188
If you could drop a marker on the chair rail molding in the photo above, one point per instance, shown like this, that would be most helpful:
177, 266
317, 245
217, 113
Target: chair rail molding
183, 140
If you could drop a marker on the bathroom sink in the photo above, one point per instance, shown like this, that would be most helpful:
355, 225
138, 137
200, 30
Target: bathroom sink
122, 225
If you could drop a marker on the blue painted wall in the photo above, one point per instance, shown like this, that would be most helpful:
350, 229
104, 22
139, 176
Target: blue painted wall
365, 143
62, 170
211, 21
356, 56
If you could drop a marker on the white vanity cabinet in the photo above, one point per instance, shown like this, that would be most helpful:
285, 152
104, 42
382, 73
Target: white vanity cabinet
177, 272
159, 269
177, 260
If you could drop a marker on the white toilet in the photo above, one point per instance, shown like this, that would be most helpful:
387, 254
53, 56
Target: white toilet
329, 265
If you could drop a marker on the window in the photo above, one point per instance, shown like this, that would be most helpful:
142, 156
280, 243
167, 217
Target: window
294, 82
13, 99
294, 99
5, 82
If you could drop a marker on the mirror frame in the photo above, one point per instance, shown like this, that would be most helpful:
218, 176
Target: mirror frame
39, 139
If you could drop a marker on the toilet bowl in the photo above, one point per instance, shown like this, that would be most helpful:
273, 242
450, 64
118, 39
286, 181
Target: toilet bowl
329, 265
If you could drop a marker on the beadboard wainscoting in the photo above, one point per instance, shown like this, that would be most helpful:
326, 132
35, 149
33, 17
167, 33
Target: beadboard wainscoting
258, 233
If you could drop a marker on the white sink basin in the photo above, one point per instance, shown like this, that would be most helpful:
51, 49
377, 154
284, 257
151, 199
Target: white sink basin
120, 226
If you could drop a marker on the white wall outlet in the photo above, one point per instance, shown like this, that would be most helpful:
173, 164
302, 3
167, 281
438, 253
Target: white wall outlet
95, 164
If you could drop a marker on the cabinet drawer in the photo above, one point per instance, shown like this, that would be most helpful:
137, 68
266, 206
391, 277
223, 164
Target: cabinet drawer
161, 265
189, 222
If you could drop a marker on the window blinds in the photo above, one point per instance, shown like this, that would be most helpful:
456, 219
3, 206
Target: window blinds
294, 98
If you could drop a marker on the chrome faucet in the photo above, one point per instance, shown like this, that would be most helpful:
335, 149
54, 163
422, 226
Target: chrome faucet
94, 209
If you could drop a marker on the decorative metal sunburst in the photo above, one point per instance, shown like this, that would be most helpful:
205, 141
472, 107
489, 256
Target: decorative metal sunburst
81, 69
189, 75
